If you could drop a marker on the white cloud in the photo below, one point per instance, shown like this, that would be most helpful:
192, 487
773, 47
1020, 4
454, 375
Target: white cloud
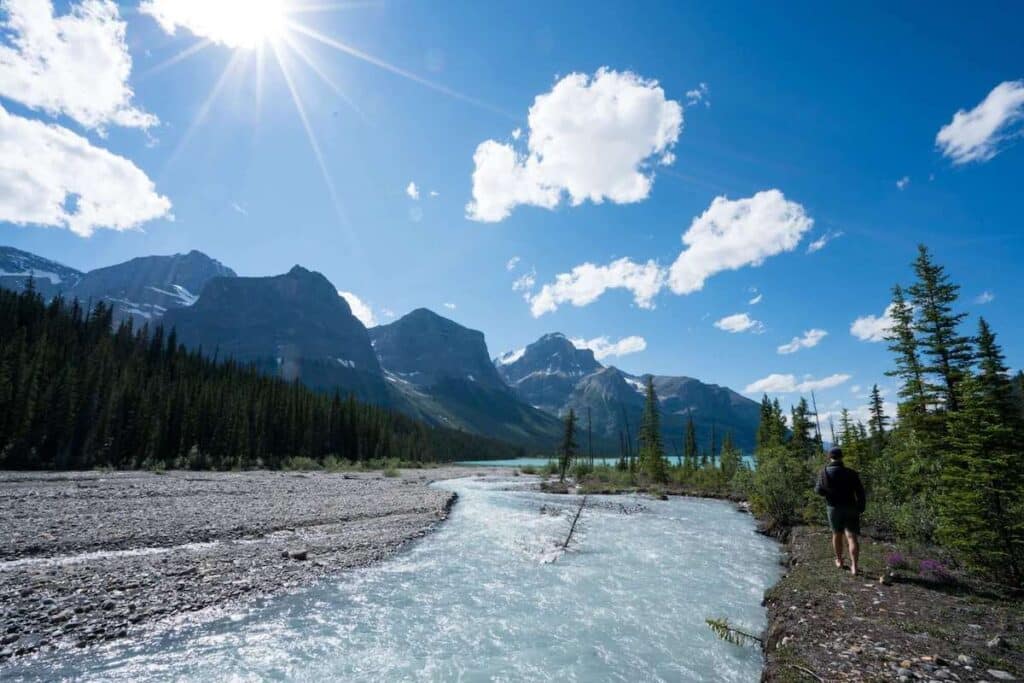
740, 322
435, 193
732, 234
603, 347
450, 306
788, 384
985, 297
511, 264
758, 297
517, 133
698, 95
360, 309
903, 182
525, 282
387, 313
412, 190
592, 138
238, 208
587, 282
819, 244
808, 341
232, 23
975, 135
873, 328
52, 176
727, 236
76, 65
855, 389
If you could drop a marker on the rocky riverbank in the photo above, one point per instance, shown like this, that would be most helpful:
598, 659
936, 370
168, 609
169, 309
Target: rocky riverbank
826, 625
90, 557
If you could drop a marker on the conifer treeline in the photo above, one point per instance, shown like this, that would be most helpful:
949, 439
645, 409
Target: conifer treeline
76, 393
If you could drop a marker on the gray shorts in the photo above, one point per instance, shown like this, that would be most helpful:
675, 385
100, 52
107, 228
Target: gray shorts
844, 519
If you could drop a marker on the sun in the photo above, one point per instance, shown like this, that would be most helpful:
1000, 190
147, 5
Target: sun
261, 21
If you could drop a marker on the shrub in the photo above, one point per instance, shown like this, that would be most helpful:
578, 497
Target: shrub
897, 560
528, 469
300, 463
780, 490
935, 570
391, 471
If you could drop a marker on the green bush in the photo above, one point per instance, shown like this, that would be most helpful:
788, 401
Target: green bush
391, 472
300, 464
780, 489
528, 469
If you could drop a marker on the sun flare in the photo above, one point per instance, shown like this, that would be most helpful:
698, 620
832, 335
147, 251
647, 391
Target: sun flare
245, 24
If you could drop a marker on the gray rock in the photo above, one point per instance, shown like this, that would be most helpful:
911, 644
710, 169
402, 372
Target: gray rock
300, 555
997, 642
1001, 675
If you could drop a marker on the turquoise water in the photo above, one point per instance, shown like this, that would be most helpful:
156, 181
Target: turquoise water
490, 596
541, 462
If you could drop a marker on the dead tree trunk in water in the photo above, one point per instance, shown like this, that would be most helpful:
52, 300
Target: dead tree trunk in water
572, 529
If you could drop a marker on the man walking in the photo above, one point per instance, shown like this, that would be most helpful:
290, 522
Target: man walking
845, 501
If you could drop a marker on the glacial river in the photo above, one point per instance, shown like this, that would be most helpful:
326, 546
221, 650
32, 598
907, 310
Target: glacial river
491, 596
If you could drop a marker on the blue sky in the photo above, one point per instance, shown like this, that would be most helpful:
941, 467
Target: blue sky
828, 106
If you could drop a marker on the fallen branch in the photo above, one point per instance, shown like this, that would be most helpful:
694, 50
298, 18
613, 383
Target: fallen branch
572, 529
732, 635
807, 671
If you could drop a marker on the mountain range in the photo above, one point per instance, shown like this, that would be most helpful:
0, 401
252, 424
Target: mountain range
297, 326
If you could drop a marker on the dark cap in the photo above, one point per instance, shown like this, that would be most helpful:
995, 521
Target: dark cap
836, 453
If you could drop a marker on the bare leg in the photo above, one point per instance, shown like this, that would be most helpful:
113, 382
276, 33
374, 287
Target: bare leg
837, 546
854, 544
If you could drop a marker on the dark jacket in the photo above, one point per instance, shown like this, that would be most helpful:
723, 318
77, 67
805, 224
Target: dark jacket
841, 487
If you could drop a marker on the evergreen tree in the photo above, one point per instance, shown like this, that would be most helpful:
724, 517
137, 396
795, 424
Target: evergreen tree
948, 353
803, 443
567, 451
731, 459
993, 377
980, 510
909, 370
690, 445
652, 452
878, 420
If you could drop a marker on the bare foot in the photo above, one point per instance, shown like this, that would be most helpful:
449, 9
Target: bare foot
853, 570
839, 564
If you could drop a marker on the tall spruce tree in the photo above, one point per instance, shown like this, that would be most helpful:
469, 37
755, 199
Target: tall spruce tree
567, 451
993, 377
948, 353
731, 459
652, 452
980, 510
909, 370
878, 420
690, 445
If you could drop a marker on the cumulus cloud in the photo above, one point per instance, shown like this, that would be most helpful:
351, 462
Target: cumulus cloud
788, 384
732, 234
76, 65
729, 235
873, 328
591, 138
360, 309
903, 182
739, 322
511, 264
976, 135
412, 190
985, 297
819, 244
809, 340
603, 347
587, 282
52, 176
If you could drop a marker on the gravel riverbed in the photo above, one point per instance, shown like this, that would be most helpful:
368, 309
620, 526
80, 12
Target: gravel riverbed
94, 556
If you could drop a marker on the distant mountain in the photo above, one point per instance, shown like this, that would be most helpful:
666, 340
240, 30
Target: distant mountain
552, 374
545, 373
145, 288
442, 373
141, 289
294, 325
49, 278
